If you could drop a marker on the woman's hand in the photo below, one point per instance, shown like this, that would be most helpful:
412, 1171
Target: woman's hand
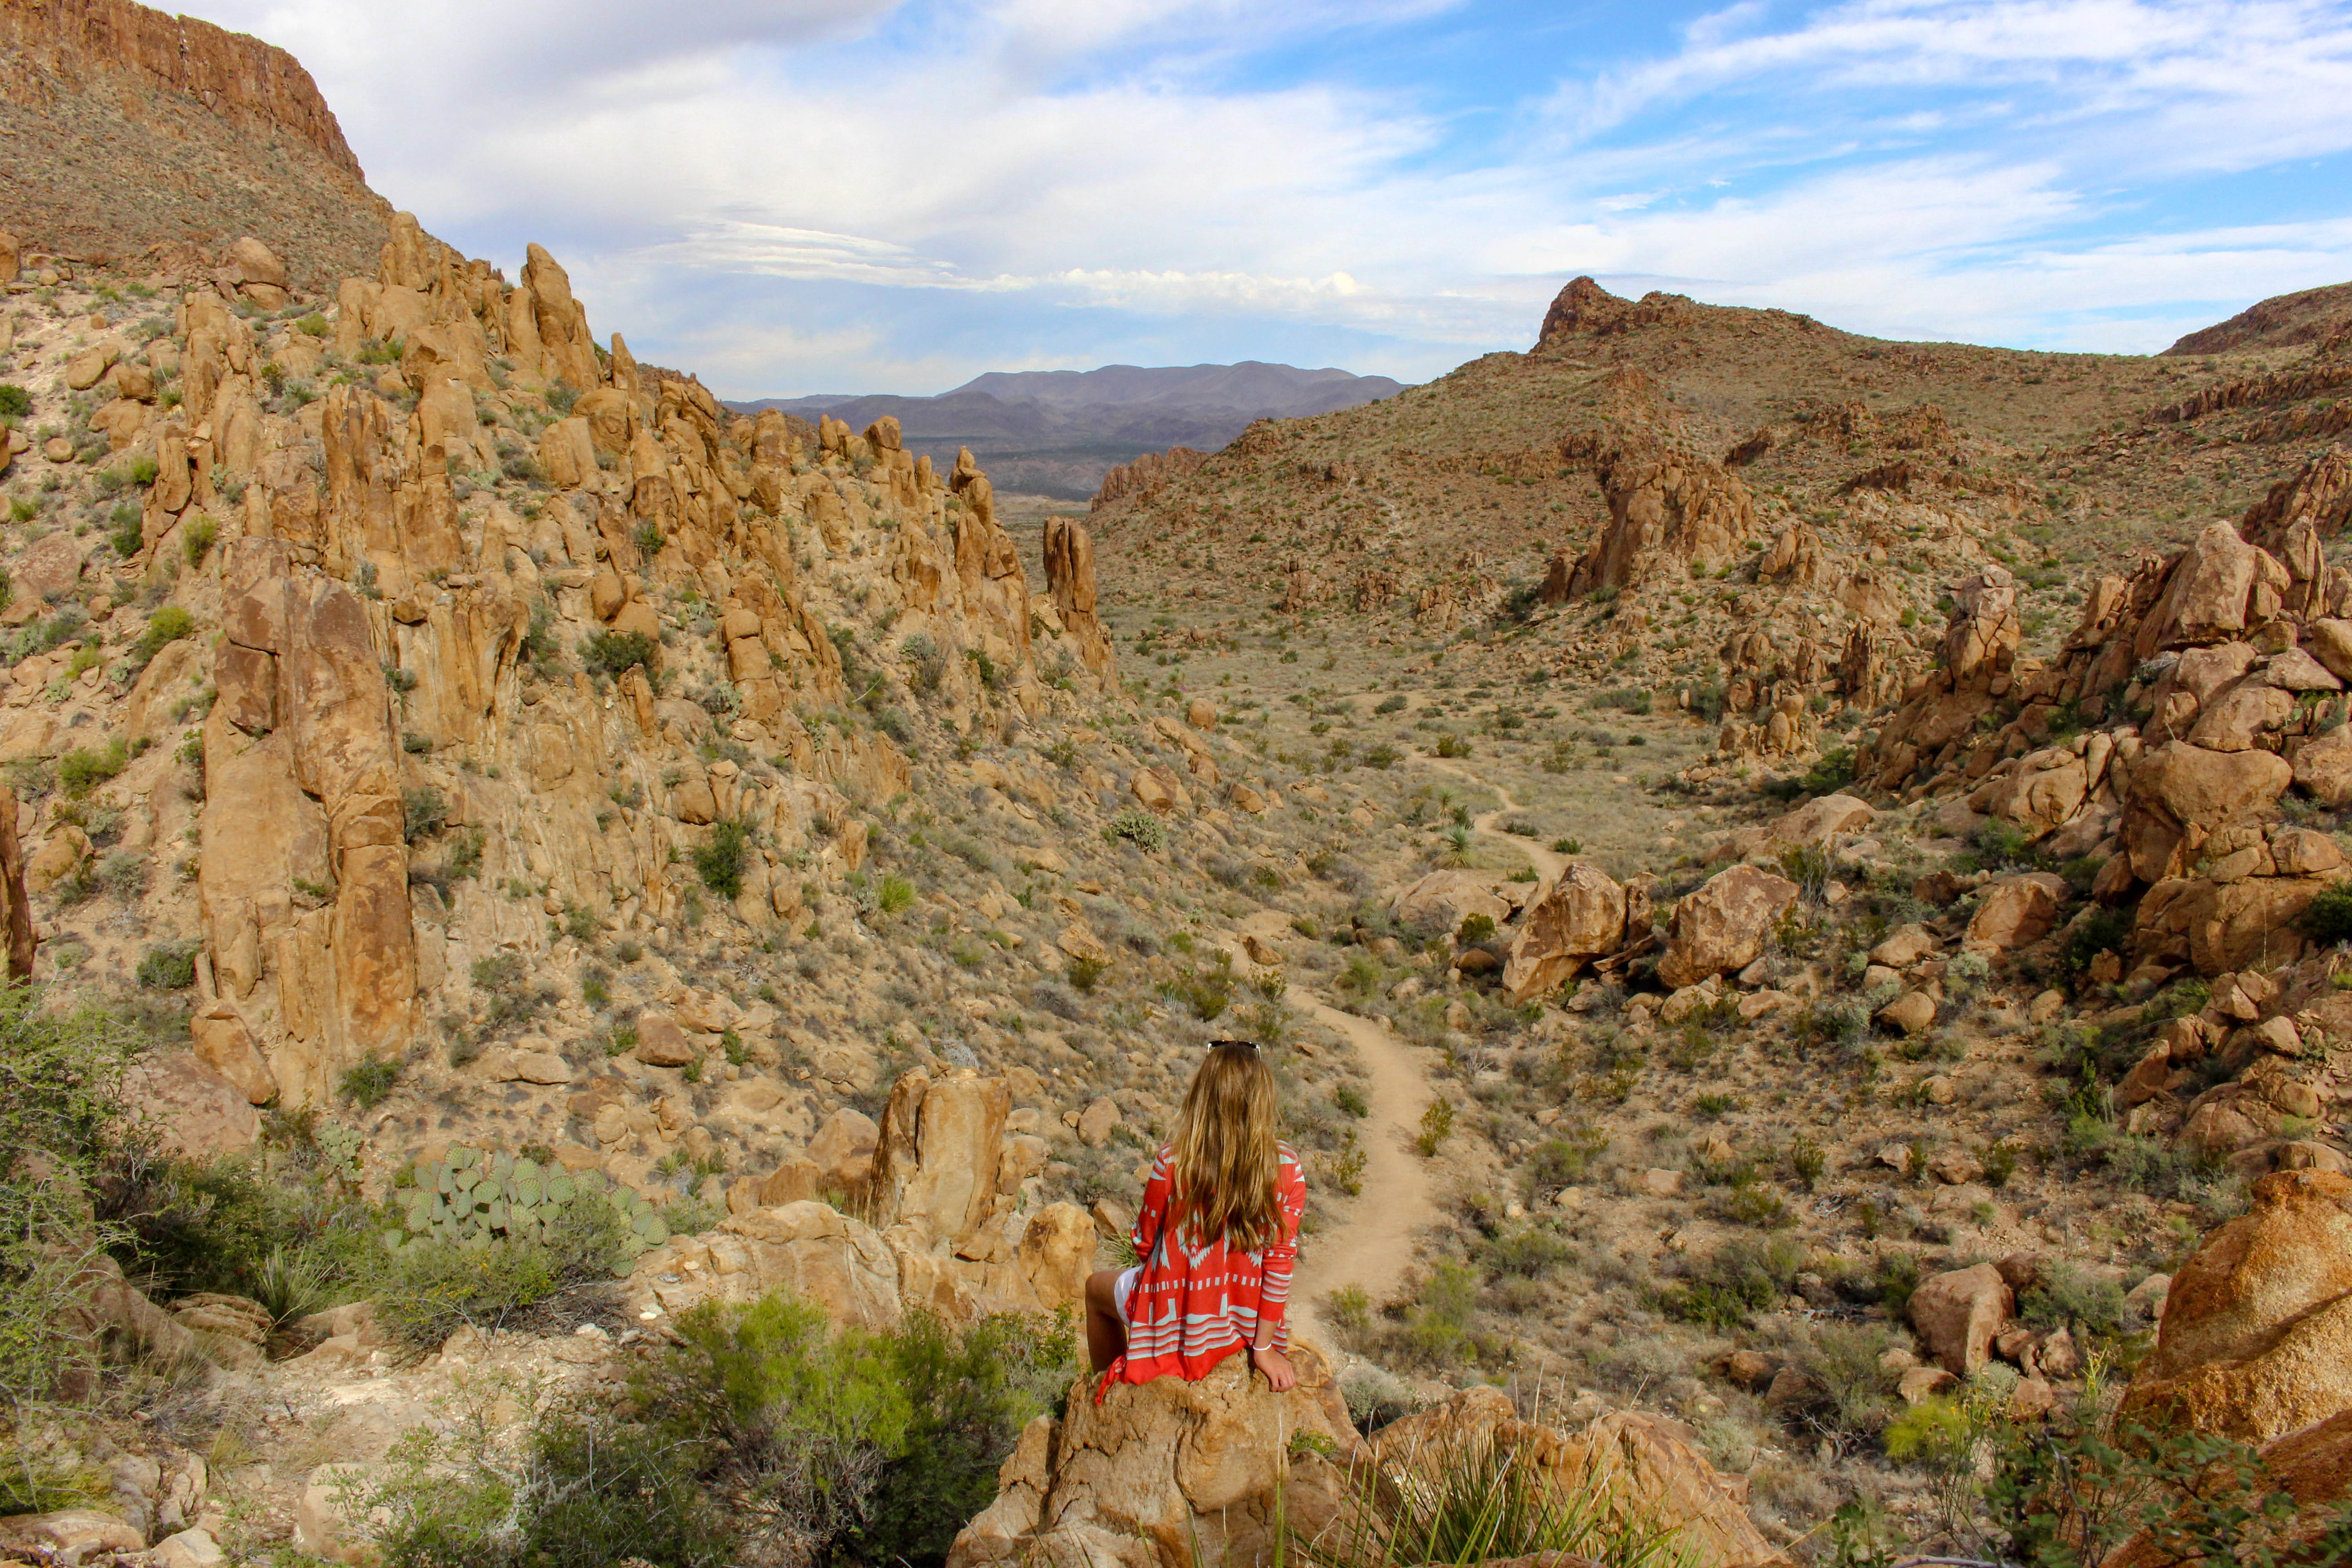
1276, 1366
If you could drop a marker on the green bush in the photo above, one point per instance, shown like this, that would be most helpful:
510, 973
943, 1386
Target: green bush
196, 540
1139, 827
1738, 1279
721, 858
128, 535
63, 1099
15, 402
369, 1083
2327, 919
422, 811
896, 894
1477, 1498
169, 966
167, 625
610, 653
83, 768
1476, 929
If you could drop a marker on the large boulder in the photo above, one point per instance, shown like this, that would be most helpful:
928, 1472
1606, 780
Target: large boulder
1956, 1315
2018, 911
807, 1249
1580, 917
2323, 767
2219, 586
1168, 1474
2178, 795
2040, 795
935, 1160
192, 1109
1724, 925
2256, 1338
1442, 901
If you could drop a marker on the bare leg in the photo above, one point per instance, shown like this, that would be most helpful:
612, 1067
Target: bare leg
1105, 1335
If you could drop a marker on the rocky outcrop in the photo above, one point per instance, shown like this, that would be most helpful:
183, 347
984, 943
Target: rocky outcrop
1667, 510
1584, 309
141, 86
302, 758
1724, 925
948, 1229
1147, 474
1166, 1474
1070, 581
1583, 914
2256, 1339
2209, 677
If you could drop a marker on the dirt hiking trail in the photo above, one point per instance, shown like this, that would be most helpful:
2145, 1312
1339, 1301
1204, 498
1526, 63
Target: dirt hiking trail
1374, 1245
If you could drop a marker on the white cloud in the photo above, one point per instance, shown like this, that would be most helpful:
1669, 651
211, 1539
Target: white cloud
1017, 174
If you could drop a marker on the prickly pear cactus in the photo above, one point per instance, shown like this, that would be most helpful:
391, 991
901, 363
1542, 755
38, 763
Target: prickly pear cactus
469, 1197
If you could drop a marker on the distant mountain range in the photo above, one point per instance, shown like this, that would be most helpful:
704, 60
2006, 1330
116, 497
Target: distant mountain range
1057, 432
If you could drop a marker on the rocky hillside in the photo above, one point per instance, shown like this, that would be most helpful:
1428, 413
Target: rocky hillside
603, 969
2286, 322
134, 133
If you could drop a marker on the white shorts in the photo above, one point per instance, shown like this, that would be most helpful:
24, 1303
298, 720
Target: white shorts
1122, 1288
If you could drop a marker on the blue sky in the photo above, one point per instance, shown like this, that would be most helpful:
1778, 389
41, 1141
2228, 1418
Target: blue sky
802, 195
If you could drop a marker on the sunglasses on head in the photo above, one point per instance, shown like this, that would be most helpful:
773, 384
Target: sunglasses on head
1245, 1045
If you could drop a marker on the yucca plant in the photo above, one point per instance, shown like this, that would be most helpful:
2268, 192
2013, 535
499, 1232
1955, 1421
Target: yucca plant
1473, 1498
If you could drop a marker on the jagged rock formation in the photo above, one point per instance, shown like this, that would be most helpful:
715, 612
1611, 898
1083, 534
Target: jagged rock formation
2210, 675
156, 97
390, 631
1147, 474
1584, 309
948, 1229
1667, 510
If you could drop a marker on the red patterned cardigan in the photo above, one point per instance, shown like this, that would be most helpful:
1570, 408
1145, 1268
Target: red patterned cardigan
1194, 1305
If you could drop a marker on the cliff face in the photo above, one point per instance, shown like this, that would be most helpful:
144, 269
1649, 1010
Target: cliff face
130, 129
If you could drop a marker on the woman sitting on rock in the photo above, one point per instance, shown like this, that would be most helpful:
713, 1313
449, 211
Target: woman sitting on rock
1218, 1235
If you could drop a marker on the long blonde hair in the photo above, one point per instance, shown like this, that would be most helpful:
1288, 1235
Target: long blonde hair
1226, 1160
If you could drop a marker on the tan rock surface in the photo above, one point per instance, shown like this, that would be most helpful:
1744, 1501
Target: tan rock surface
1724, 924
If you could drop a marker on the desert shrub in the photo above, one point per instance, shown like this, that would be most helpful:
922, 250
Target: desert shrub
1084, 974
1450, 744
367, 1084
62, 1125
1738, 1279
15, 402
422, 811
1830, 773
1476, 1498
83, 768
896, 894
168, 625
721, 859
927, 664
2327, 919
1137, 827
610, 653
169, 965
1391, 704
850, 1446
1206, 992
586, 1488
1436, 1127
2065, 1295
196, 540
1476, 929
